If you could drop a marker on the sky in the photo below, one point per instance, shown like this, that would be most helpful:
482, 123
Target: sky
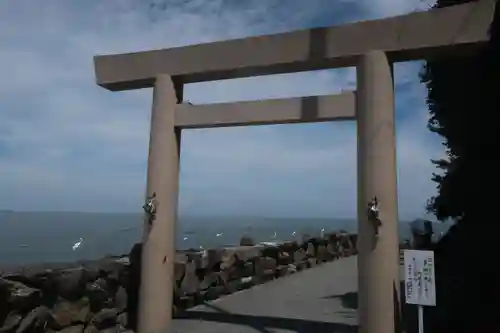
68, 145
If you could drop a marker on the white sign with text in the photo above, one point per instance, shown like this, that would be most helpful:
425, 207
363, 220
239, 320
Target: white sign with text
420, 285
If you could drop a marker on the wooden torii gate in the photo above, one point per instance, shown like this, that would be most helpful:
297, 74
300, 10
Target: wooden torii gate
371, 46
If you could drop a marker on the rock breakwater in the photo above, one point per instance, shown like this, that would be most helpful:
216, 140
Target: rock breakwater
102, 296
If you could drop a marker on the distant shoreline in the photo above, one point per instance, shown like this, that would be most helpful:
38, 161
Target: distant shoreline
189, 216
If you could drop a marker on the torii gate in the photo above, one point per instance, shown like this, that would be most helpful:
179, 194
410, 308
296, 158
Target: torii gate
371, 46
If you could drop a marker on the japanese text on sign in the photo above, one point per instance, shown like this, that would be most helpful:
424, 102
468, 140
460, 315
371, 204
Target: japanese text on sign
420, 287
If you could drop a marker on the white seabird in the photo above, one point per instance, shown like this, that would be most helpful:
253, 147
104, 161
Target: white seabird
77, 244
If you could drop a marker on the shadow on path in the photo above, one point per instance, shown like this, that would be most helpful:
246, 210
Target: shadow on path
349, 300
263, 324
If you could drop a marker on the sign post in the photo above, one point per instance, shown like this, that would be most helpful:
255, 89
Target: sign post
420, 285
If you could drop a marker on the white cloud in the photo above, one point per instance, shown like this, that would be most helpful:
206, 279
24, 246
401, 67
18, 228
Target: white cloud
67, 144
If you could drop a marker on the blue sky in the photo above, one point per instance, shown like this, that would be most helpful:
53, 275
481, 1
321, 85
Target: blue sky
66, 144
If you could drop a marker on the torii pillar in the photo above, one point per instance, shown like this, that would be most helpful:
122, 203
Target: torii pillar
378, 258
158, 245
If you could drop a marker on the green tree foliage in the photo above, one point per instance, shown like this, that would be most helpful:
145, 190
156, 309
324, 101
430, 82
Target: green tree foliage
461, 102
463, 99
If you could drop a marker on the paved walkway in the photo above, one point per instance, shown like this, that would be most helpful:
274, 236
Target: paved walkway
321, 299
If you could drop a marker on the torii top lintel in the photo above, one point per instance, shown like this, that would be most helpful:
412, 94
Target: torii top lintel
409, 37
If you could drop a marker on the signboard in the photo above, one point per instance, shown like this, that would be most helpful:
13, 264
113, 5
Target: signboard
420, 285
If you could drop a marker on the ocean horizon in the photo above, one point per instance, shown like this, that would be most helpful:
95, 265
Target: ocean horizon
44, 237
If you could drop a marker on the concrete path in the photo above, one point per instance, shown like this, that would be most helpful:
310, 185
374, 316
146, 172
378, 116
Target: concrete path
320, 299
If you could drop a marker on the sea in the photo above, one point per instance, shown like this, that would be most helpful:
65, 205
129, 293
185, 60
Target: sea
45, 237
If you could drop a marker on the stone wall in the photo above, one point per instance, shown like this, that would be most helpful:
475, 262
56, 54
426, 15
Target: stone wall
102, 296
